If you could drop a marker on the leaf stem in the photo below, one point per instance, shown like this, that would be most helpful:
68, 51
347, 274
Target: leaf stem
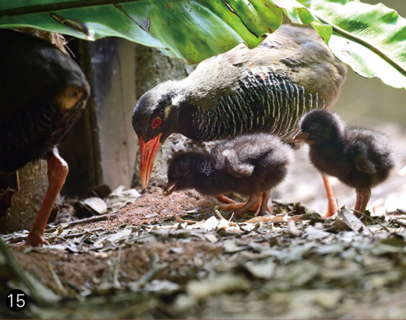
379, 53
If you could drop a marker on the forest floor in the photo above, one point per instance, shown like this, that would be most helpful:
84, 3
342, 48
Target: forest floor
143, 255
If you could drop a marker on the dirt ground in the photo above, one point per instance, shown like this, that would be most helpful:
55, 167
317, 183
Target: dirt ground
149, 256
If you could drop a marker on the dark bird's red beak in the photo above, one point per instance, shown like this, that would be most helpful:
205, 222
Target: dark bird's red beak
148, 151
300, 136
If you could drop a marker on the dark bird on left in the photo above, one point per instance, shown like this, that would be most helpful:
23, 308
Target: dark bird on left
42, 94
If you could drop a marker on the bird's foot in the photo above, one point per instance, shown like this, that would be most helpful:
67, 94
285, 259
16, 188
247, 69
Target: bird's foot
224, 199
31, 241
331, 210
255, 205
236, 206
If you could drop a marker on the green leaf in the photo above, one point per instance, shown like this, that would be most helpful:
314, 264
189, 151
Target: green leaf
186, 29
371, 39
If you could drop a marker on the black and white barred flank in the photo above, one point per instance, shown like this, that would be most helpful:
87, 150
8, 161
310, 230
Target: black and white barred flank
273, 104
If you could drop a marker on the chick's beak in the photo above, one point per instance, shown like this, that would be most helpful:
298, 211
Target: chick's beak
148, 151
169, 188
300, 136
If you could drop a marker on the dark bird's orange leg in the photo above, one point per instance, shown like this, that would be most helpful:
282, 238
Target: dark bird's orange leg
363, 196
332, 206
57, 171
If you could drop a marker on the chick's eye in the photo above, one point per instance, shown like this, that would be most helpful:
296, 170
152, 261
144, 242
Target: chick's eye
315, 126
175, 174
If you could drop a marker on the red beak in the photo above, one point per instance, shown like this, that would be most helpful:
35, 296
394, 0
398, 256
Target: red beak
148, 153
300, 136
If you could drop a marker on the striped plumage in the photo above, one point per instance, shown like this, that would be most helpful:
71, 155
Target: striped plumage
273, 105
266, 89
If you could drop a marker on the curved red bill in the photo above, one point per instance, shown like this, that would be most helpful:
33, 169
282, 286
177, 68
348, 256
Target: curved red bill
148, 153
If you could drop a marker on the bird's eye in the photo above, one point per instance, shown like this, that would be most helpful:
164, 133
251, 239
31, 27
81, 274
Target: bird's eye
315, 126
175, 174
156, 123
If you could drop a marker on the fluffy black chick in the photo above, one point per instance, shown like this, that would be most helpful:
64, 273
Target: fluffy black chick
359, 158
250, 165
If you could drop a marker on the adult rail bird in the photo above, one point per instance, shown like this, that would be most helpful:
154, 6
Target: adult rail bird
265, 89
42, 94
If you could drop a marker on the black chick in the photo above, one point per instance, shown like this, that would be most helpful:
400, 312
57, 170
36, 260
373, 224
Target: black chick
248, 164
359, 158
42, 94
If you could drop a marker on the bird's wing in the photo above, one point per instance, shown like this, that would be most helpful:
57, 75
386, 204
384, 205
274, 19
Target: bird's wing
297, 54
227, 160
359, 157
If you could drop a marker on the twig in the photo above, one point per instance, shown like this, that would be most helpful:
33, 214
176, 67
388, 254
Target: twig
276, 219
56, 279
73, 235
232, 216
180, 220
218, 214
91, 219
151, 274
116, 283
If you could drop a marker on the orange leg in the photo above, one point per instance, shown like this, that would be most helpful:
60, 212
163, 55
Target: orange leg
261, 211
259, 204
224, 199
363, 196
252, 200
57, 171
332, 206
232, 205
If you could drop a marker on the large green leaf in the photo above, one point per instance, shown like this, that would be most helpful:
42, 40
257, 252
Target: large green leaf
371, 39
186, 29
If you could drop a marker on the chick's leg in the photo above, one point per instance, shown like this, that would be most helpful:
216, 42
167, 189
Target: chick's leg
57, 171
252, 200
261, 211
332, 206
363, 196
224, 199
233, 205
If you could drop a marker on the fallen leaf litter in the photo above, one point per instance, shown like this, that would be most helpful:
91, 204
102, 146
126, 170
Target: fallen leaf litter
174, 261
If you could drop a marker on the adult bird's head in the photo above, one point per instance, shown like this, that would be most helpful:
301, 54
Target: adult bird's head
155, 118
